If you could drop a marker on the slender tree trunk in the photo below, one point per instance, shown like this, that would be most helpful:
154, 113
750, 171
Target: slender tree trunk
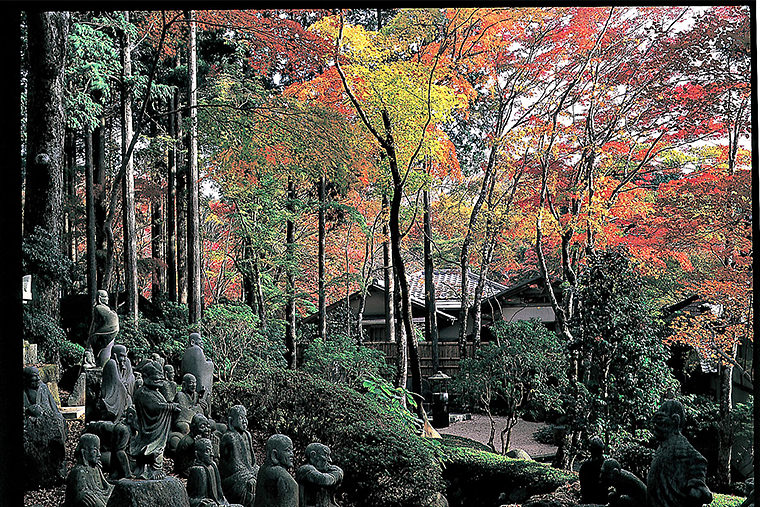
128, 184
181, 217
89, 198
99, 191
321, 258
69, 178
402, 358
290, 307
47, 36
156, 226
193, 226
171, 196
431, 325
725, 439
390, 321
259, 289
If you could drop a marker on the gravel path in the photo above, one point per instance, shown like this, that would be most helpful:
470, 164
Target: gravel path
479, 427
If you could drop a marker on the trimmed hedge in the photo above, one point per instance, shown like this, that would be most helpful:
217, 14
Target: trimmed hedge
385, 464
476, 477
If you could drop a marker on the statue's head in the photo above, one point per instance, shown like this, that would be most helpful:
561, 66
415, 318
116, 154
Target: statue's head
204, 452
31, 377
102, 297
139, 381
237, 418
596, 447
153, 375
609, 470
189, 383
169, 372
319, 456
195, 339
88, 450
279, 451
119, 353
200, 426
668, 420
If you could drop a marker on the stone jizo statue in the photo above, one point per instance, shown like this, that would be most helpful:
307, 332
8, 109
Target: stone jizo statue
677, 475
154, 417
86, 486
117, 385
194, 361
275, 487
237, 463
103, 331
318, 479
204, 484
625, 489
169, 390
114, 438
592, 489
44, 434
184, 456
190, 403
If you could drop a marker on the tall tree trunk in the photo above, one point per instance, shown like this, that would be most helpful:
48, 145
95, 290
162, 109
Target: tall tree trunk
89, 199
47, 36
290, 306
181, 200
431, 325
128, 184
156, 226
193, 225
725, 439
390, 326
69, 179
171, 200
99, 192
402, 356
321, 258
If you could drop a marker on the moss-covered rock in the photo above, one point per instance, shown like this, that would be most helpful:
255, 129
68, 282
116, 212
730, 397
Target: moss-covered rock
477, 477
385, 464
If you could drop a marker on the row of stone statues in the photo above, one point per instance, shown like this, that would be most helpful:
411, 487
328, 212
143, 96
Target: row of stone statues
233, 478
676, 476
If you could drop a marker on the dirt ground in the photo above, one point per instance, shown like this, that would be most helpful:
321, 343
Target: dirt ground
479, 427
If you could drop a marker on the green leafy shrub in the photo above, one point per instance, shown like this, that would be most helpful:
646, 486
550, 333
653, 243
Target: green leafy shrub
165, 333
397, 400
477, 477
340, 359
385, 464
234, 340
726, 500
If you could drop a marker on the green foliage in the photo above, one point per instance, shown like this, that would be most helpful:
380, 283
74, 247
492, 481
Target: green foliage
477, 477
511, 371
720, 500
634, 451
395, 400
234, 340
165, 333
340, 359
385, 464
623, 359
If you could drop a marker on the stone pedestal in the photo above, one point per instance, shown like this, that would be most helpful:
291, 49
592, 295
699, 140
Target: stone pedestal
93, 379
77, 396
43, 451
168, 492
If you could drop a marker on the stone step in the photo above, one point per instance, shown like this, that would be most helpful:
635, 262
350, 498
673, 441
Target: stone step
73, 412
459, 417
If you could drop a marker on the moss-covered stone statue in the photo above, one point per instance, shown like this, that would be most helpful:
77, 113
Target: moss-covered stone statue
625, 489
103, 331
117, 385
184, 455
86, 486
154, 417
237, 463
592, 489
194, 361
275, 487
204, 484
677, 475
44, 433
318, 479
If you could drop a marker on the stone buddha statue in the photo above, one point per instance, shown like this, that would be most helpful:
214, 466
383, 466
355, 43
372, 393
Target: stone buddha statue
318, 479
86, 486
103, 331
275, 487
237, 463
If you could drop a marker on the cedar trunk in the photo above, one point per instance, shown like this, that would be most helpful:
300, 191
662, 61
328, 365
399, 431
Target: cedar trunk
193, 226
47, 36
128, 184
322, 261
171, 204
89, 197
